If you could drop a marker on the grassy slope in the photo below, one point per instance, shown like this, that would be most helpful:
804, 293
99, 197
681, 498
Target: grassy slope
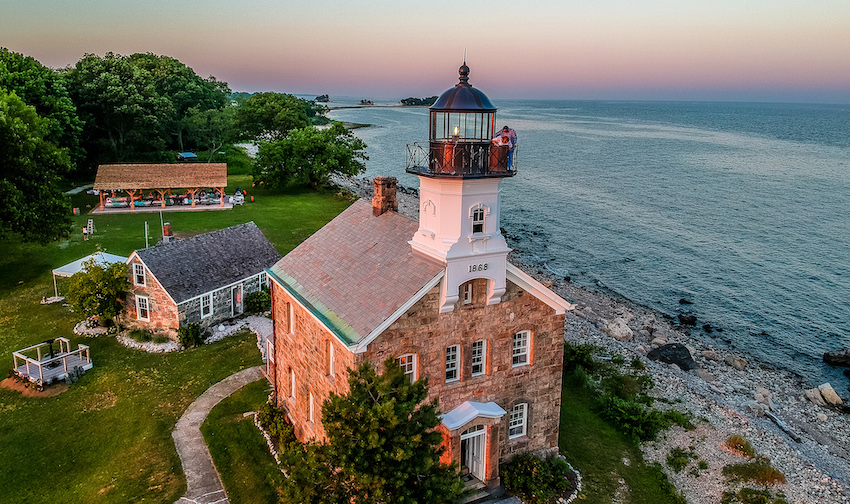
108, 438
247, 469
597, 450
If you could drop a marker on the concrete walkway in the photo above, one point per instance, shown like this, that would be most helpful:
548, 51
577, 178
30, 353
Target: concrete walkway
202, 480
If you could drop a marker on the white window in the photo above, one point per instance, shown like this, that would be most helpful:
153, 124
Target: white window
264, 280
516, 427
478, 220
312, 417
479, 357
142, 308
520, 348
452, 354
206, 305
408, 365
292, 383
139, 274
467, 293
331, 358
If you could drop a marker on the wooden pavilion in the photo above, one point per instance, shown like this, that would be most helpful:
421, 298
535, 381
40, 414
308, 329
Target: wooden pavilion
161, 178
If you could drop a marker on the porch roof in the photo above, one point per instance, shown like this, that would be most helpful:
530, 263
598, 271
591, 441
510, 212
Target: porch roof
469, 411
160, 176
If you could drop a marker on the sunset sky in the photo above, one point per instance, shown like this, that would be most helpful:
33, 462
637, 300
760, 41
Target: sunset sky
737, 50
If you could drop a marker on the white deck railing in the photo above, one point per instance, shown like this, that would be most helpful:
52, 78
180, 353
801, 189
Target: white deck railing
39, 369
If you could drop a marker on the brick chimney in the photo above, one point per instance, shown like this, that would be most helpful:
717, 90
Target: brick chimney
384, 198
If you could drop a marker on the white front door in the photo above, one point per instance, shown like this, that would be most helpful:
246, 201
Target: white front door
473, 444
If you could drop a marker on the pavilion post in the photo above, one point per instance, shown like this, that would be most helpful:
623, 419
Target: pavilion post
100, 192
192, 193
55, 287
132, 193
221, 192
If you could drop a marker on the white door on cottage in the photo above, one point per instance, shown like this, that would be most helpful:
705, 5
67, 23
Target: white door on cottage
236, 296
472, 449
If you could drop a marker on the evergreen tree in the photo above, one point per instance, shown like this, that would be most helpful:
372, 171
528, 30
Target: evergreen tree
382, 447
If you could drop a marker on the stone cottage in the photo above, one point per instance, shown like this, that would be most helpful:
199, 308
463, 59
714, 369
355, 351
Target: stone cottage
202, 279
438, 295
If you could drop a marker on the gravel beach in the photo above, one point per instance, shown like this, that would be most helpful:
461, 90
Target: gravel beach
727, 393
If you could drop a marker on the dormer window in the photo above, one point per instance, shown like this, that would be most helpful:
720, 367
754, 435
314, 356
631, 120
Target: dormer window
478, 220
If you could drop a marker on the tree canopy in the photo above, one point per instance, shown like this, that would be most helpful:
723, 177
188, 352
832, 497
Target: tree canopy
98, 290
44, 89
271, 116
382, 447
31, 168
310, 155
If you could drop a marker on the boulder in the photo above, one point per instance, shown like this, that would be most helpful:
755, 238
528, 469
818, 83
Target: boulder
815, 396
764, 393
756, 408
688, 320
641, 350
704, 374
657, 342
821, 417
829, 394
737, 362
709, 354
619, 330
673, 353
839, 358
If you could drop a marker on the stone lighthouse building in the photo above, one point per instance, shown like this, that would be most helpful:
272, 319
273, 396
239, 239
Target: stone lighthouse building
438, 295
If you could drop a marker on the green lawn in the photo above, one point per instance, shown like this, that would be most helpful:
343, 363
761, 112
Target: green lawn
597, 450
248, 471
108, 438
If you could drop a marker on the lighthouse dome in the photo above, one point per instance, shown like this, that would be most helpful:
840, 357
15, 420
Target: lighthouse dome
463, 97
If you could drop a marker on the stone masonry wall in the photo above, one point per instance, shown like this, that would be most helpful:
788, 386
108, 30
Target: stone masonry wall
427, 333
306, 352
161, 309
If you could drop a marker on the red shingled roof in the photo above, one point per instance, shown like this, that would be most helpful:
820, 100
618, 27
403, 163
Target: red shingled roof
355, 272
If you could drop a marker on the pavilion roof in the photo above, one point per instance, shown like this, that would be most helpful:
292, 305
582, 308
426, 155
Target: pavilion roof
160, 176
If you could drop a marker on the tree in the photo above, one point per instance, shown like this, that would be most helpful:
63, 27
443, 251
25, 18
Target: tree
98, 290
310, 155
183, 88
382, 447
271, 116
210, 129
32, 204
44, 89
123, 112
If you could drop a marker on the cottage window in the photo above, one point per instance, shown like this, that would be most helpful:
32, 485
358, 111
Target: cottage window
520, 348
139, 274
142, 308
467, 293
479, 357
517, 423
407, 362
290, 309
312, 417
478, 220
452, 354
292, 383
206, 305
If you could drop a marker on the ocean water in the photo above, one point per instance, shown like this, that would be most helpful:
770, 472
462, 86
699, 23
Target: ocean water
738, 213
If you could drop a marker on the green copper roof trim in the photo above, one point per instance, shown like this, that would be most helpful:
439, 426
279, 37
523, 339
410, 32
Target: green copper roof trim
331, 320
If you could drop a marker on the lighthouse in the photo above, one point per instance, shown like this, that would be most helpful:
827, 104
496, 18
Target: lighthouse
460, 175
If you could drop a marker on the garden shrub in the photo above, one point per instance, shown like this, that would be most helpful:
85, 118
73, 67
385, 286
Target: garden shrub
534, 480
739, 444
579, 356
139, 335
678, 458
274, 421
752, 496
638, 364
664, 484
258, 302
759, 470
190, 335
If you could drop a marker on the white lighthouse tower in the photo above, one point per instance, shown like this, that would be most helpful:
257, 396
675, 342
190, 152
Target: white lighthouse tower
459, 192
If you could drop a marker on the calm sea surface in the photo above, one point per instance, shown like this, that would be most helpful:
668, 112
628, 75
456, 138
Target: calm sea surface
742, 210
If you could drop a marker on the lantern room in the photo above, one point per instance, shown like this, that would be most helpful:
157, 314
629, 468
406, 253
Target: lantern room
463, 140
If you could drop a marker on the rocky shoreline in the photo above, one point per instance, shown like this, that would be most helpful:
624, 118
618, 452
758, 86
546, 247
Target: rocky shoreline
805, 438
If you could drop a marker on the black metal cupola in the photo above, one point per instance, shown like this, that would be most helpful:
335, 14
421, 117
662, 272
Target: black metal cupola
462, 126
